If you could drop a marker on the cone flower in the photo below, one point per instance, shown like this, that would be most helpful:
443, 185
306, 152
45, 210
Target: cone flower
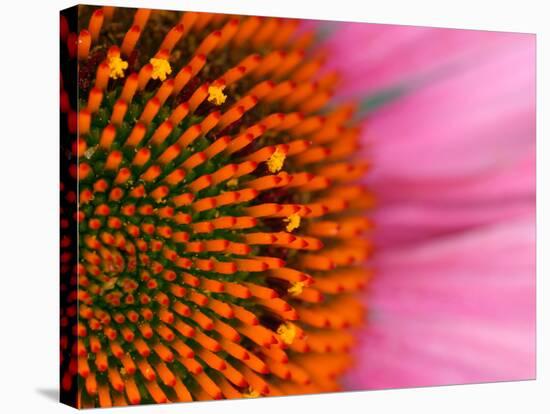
220, 226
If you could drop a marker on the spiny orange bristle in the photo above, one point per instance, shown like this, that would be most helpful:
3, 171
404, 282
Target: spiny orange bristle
221, 238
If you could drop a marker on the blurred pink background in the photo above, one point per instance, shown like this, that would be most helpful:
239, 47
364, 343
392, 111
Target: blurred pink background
453, 154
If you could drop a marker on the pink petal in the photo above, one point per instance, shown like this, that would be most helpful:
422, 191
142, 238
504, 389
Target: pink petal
473, 122
376, 56
452, 311
453, 161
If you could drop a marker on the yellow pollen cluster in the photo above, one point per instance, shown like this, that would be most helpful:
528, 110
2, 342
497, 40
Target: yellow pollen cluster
233, 182
216, 95
117, 66
293, 222
161, 68
287, 332
276, 161
296, 288
252, 393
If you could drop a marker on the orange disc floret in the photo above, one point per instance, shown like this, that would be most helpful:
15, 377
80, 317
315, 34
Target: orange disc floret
221, 231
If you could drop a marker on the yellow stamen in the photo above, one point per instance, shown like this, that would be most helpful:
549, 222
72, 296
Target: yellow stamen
234, 182
109, 284
252, 393
116, 66
287, 332
216, 95
293, 222
296, 288
161, 68
276, 161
